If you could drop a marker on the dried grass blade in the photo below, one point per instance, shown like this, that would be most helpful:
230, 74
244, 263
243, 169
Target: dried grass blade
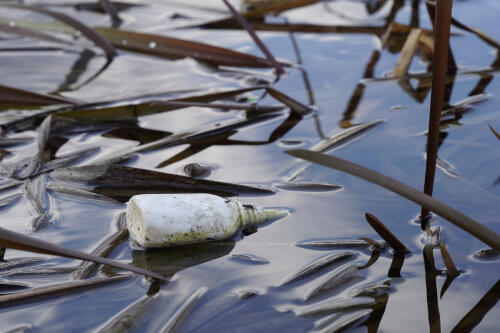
497, 134
385, 233
451, 269
14, 240
170, 47
56, 290
31, 34
10, 96
407, 53
256, 39
457, 218
88, 32
440, 68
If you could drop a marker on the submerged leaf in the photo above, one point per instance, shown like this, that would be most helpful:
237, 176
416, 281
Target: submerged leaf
459, 219
336, 305
302, 186
347, 321
130, 317
316, 265
177, 318
333, 280
56, 290
339, 243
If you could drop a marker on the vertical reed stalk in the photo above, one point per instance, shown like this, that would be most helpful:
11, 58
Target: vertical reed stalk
440, 64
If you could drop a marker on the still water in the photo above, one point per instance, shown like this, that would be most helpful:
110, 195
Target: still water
234, 286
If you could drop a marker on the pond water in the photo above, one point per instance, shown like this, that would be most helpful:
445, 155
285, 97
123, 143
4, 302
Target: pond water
236, 283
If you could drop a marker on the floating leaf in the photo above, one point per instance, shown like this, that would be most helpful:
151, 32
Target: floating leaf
10, 96
459, 219
7, 287
122, 182
19, 262
345, 136
302, 186
84, 29
172, 48
13, 240
316, 265
37, 271
31, 33
56, 290
338, 243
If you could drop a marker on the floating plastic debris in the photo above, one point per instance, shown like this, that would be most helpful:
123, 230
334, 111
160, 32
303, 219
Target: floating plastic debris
157, 220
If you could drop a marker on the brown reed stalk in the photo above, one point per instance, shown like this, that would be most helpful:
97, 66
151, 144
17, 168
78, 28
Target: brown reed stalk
440, 65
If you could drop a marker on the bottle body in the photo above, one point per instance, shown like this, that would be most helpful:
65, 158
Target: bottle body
176, 219
158, 220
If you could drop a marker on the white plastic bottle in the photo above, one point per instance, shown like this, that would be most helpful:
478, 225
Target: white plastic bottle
157, 220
